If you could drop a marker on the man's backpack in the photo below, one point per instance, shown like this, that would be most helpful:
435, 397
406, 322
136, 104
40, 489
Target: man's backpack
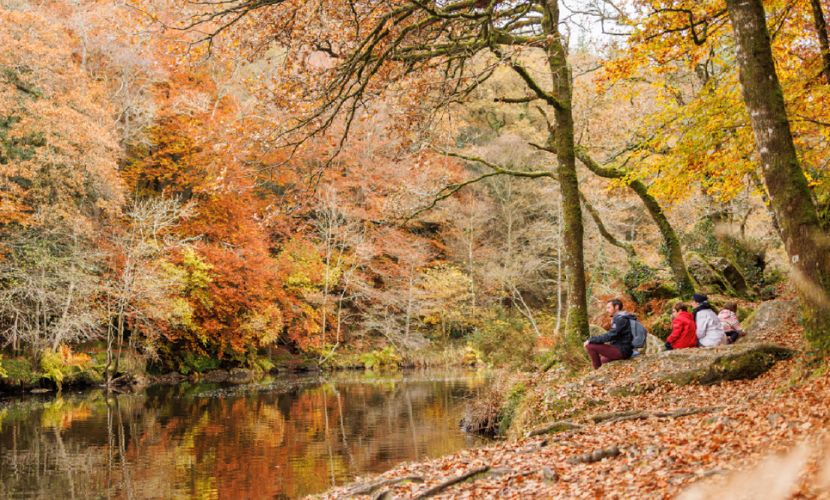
638, 332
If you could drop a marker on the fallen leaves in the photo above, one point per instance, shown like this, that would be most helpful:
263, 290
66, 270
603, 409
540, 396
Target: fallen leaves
665, 441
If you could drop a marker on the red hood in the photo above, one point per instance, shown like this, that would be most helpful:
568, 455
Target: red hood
685, 316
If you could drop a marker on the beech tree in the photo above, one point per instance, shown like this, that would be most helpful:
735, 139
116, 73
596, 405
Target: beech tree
804, 238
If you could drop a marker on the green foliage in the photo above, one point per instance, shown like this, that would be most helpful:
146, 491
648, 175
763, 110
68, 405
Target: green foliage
264, 364
3, 373
52, 367
701, 238
510, 406
19, 371
638, 275
386, 358
194, 363
504, 338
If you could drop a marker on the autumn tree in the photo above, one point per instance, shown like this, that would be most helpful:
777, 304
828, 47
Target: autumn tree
753, 138
804, 237
447, 49
59, 187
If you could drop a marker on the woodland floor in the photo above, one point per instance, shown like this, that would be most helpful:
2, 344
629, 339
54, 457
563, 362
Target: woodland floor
740, 424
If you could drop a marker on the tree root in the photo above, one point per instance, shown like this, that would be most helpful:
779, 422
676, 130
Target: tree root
368, 489
610, 418
451, 482
558, 426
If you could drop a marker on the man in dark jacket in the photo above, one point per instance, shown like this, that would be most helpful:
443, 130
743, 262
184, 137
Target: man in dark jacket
616, 343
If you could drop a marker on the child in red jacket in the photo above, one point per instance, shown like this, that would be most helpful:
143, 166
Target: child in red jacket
683, 333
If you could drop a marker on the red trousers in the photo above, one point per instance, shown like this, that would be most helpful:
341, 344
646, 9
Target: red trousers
603, 353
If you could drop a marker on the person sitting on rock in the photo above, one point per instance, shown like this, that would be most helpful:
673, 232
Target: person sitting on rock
708, 326
616, 343
729, 319
683, 332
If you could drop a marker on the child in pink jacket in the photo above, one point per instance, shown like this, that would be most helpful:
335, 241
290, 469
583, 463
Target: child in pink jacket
731, 326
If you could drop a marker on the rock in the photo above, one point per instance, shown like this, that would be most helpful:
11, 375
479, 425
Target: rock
215, 376
40, 391
771, 316
716, 273
744, 360
597, 455
653, 345
701, 271
655, 290
550, 475
241, 376
613, 451
169, 378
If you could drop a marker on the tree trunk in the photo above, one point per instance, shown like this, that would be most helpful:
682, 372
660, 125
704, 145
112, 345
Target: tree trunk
672, 252
821, 30
558, 265
603, 231
787, 186
576, 326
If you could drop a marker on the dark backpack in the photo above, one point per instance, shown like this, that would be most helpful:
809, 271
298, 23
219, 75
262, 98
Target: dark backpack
638, 333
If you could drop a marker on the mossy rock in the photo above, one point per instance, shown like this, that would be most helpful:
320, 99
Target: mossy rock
655, 290
697, 366
747, 363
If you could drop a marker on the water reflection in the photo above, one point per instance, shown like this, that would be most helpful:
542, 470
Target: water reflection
278, 438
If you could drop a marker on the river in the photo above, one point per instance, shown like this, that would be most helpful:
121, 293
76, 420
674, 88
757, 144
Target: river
277, 438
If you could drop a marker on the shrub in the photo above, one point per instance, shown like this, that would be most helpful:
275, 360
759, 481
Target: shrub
384, 358
51, 365
19, 372
504, 339
194, 363
638, 275
264, 364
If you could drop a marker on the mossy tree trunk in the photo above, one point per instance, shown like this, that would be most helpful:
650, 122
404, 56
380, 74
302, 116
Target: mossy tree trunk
786, 183
576, 326
673, 251
820, 24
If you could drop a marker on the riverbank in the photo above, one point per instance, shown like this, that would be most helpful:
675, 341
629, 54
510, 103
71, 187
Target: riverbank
19, 376
637, 429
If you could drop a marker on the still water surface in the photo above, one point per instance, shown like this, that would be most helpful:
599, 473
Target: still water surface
273, 439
